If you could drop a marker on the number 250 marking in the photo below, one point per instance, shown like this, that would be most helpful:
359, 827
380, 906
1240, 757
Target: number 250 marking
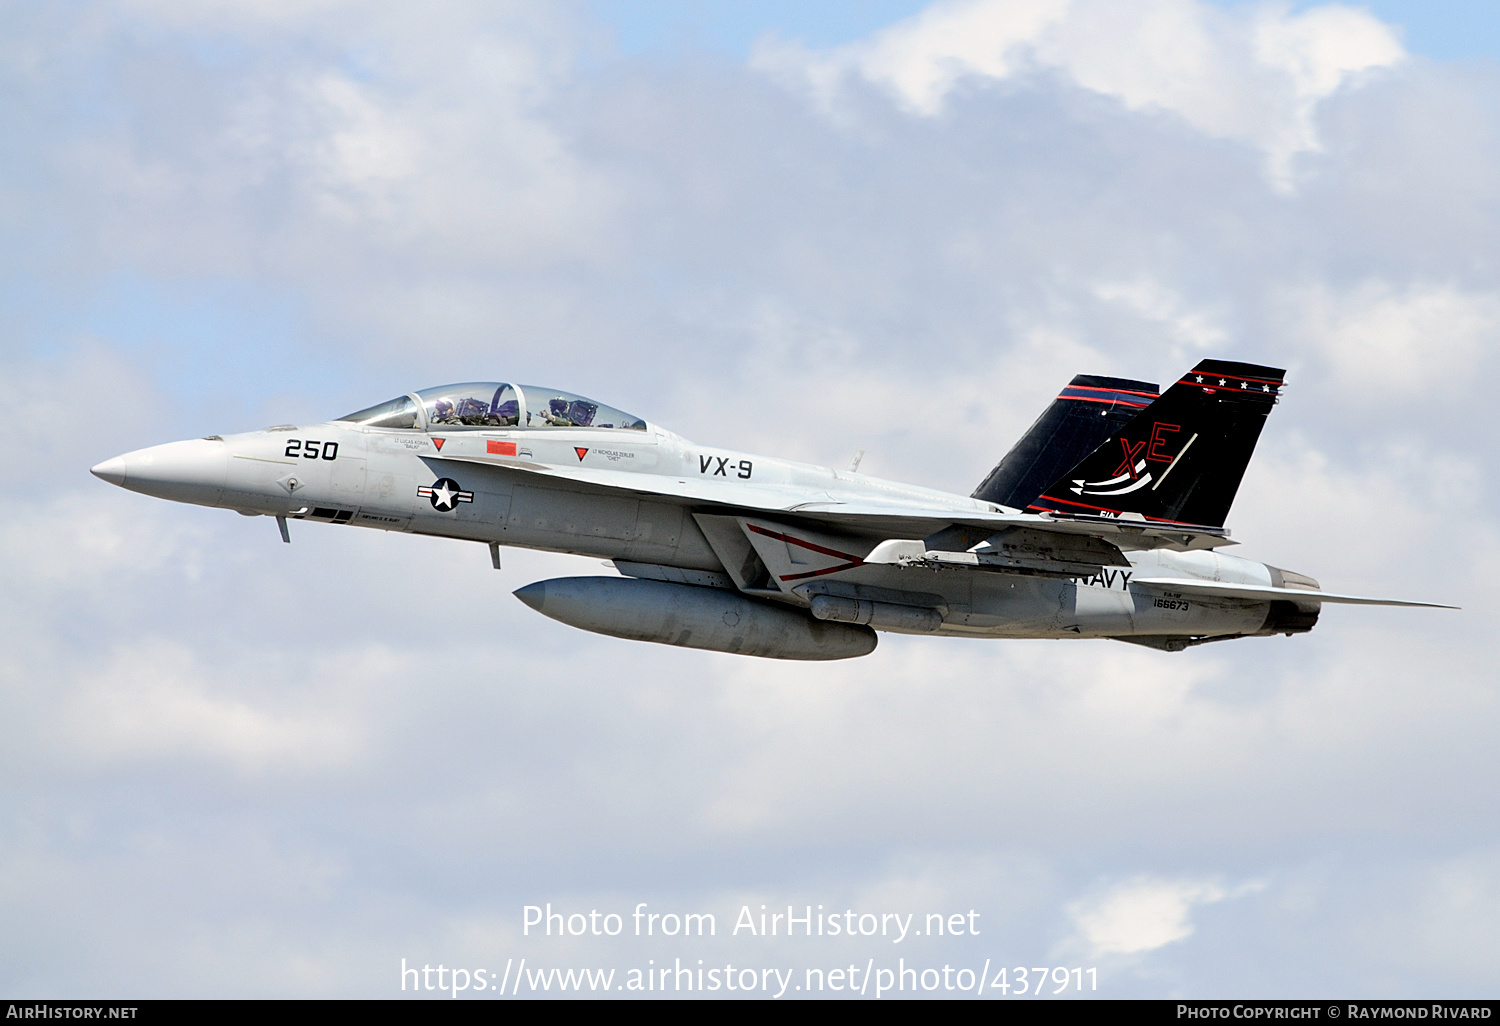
310, 449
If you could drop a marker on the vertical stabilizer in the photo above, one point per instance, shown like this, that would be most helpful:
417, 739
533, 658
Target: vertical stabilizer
1085, 413
1181, 459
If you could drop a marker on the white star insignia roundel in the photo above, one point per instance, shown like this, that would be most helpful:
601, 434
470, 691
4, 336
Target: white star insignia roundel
445, 494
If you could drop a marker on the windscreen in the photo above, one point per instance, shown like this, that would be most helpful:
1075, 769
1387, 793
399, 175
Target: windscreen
398, 413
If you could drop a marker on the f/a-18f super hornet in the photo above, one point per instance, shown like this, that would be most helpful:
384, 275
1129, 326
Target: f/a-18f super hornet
1106, 519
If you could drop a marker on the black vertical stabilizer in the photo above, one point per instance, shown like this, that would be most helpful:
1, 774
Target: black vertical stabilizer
1086, 413
1181, 459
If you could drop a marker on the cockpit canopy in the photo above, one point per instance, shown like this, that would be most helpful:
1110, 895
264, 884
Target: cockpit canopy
477, 405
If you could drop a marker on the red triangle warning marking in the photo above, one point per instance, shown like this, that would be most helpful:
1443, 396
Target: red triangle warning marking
581, 453
439, 443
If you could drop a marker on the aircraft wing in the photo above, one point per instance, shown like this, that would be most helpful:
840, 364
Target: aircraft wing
866, 517
921, 522
1262, 592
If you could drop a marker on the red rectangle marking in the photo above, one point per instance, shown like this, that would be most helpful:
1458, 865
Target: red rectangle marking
495, 448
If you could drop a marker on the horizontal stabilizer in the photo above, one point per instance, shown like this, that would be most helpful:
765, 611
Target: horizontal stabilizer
1264, 592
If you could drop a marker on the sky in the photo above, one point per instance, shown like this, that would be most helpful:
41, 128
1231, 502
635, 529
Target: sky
1438, 29
238, 768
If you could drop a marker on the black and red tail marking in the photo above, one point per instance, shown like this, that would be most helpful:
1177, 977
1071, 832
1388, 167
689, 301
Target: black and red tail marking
1084, 414
1179, 460
1141, 394
853, 560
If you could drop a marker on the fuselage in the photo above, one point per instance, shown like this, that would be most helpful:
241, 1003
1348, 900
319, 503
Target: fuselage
370, 477
665, 508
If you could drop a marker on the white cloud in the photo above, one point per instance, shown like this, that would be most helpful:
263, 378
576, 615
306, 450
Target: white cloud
1397, 341
1141, 915
360, 136
1456, 909
154, 702
1253, 76
1197, 330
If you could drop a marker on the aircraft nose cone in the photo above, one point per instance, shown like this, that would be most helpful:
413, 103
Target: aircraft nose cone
111, 470
191, 471
533, 595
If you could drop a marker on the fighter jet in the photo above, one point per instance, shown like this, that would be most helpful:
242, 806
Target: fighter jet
1106, 520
